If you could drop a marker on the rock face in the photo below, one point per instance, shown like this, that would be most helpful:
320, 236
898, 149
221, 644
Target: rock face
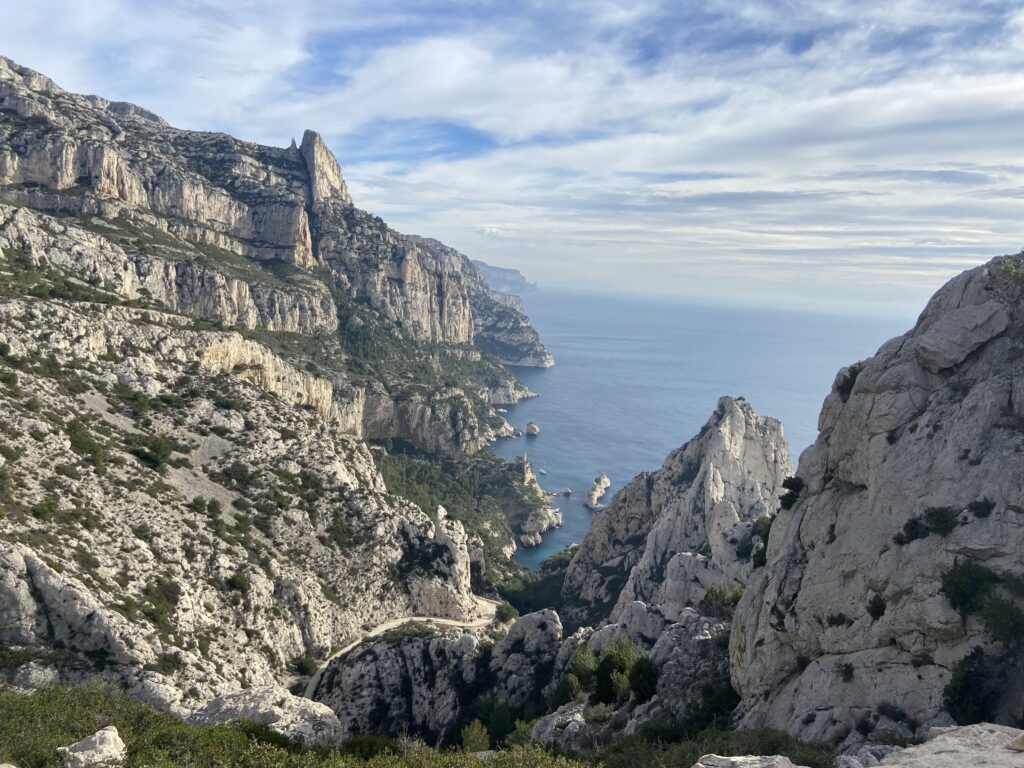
670, 535
307, 722
102, 748
917, 476
422, 679
597, 490
266, 239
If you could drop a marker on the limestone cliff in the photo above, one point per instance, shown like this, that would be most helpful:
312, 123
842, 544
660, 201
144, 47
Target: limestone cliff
670, 535
263, 238
901, 553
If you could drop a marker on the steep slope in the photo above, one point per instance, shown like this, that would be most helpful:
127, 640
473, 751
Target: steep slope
182, 517
267, 239
670, 535
903, 551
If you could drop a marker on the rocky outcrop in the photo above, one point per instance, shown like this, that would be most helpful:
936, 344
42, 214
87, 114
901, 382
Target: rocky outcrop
303, 721
670, 535
900, 553
542, 516
104, 747
597, 490
423, 679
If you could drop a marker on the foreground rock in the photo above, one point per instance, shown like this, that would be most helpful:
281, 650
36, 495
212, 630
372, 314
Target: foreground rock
597, 490
103, 748
974, 746
899, 555
670, 535
307, 722
746, 761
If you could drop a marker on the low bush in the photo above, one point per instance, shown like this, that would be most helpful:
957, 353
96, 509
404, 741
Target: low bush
35, 726
974, 689
967, 584
506, 612
720, 602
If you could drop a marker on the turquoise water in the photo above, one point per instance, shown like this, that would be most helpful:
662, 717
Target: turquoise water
635, 378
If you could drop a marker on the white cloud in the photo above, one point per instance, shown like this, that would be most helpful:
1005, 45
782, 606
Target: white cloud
624, 144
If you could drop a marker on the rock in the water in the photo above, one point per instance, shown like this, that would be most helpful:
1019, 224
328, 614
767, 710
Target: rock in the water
597, 490
532, 428
915, 480
307, 722
103, 748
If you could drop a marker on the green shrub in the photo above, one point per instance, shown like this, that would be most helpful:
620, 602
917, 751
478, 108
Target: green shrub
475, 737
569, 689
643, 679
967, 584
836, 620
720, 602
238, 582
84, 444
506, 612
584, 665
151, 450
876, 606
941, 520
1004, 621
369, 746
981, 508
973, 691
34, 726
617, 657
846, 672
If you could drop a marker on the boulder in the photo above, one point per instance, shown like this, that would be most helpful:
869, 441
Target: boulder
307, 722
103, 748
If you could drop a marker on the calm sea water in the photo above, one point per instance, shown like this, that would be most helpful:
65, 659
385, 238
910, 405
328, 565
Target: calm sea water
635, 378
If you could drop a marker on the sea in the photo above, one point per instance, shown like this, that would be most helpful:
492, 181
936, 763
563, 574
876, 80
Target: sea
635, 378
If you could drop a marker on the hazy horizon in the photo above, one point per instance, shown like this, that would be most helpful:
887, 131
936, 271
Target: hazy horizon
831, 157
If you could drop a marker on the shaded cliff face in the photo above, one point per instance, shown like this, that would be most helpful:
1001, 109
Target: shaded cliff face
263, 238
670, 535
903, 551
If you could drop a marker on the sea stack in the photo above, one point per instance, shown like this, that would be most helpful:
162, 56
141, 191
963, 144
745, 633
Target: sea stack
600, 485
532, 428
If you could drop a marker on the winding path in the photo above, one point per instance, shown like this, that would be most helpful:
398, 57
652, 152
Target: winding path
487, 607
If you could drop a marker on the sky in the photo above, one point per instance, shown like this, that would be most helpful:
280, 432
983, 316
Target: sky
839, 155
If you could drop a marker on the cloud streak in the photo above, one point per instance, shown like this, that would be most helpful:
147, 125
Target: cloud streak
830, 154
